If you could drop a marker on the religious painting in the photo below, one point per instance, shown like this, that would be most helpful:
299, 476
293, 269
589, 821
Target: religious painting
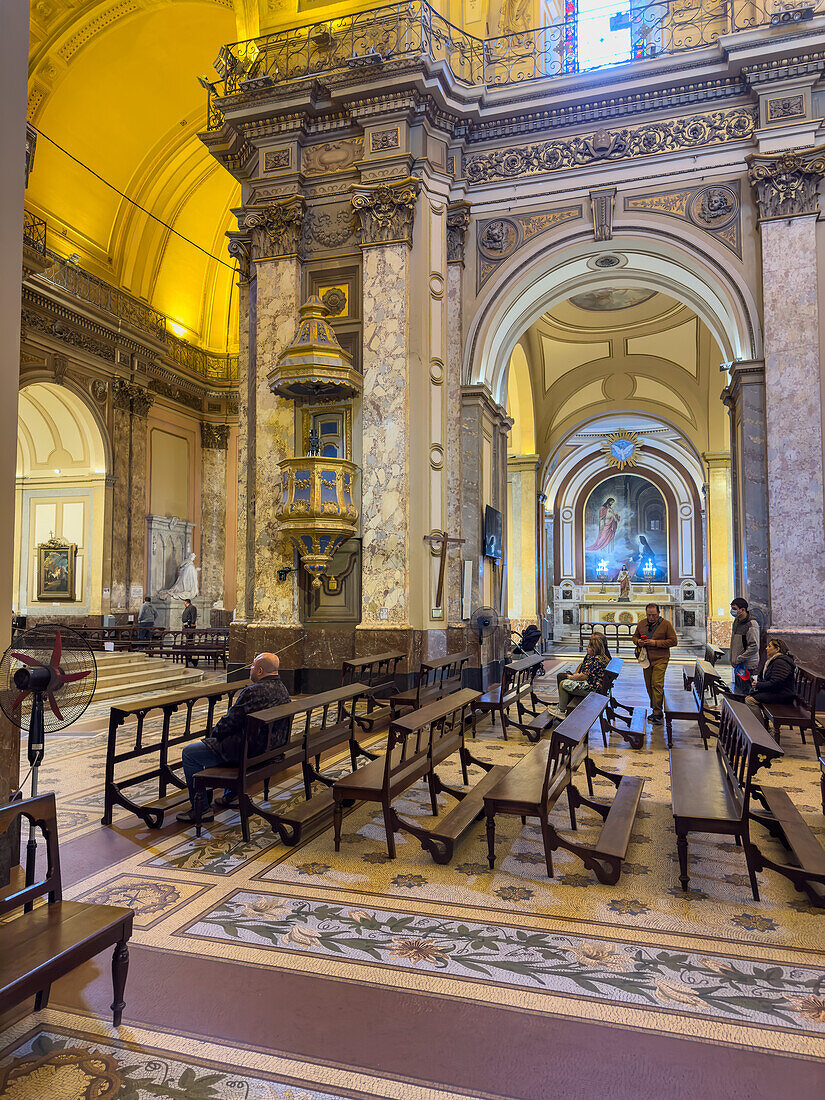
625, 524
56, 570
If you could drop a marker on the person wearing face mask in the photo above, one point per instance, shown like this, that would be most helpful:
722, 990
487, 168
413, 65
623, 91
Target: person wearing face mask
657, 637
744, 646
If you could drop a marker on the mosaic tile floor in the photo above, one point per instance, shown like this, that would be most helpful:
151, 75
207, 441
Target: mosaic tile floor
711, 964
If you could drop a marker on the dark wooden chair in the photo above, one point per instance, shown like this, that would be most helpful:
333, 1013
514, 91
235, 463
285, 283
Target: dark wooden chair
690, 705
801, 713
532, 787
133, 742
311, 726
711, 792
42, 944
416, 743
437, 677
515, 686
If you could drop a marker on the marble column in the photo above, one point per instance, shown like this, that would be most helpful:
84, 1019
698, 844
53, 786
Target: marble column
458, 220
719, 510
745, 400
14, 50
131, 403
786, 191
214, 442
386, 215
240, 247
522, 539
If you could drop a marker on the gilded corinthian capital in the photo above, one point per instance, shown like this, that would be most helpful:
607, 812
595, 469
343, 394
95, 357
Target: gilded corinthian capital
785, 184
386, 211
276, 228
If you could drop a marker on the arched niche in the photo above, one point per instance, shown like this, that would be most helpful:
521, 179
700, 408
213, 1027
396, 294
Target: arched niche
63, 458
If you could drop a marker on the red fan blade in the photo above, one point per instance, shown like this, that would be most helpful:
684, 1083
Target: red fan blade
68, 677
30, 661
55, 709
19, 699
57, 651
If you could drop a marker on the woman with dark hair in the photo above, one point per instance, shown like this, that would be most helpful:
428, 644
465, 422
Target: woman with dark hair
642, 556
776, 684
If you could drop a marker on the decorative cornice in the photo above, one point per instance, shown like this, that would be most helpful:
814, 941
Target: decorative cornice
458, 221
214, 437
386, 211
60, 331
785, 184
655, 138
276, 228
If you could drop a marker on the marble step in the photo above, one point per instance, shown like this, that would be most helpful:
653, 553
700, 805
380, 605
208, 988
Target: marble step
153, 684
149, 670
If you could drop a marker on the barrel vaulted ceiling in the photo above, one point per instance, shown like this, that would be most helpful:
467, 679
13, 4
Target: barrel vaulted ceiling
114, 82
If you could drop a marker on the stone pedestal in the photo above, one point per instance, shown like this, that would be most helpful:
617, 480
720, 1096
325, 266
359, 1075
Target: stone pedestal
170, 611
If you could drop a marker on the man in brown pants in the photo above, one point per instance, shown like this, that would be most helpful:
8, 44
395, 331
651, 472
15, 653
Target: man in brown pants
656, 636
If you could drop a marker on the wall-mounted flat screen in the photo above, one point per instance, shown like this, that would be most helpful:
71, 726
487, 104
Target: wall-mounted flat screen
492, 533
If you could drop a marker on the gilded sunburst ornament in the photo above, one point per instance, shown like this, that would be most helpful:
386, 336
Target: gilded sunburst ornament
621, 449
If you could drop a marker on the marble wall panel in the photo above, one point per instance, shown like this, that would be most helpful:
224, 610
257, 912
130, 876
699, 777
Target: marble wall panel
120, 505
794, 423
213, 522
246, 443
385, 514
137, 533
278, 299
452, 457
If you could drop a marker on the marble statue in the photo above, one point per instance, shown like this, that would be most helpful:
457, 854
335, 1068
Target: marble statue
186, 583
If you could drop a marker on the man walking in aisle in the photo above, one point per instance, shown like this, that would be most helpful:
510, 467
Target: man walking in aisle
657, 637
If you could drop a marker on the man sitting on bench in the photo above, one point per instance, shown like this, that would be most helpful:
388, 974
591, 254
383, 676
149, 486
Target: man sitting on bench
589, 676
224, 746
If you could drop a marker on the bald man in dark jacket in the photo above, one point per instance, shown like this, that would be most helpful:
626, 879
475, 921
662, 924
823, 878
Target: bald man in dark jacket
225, 745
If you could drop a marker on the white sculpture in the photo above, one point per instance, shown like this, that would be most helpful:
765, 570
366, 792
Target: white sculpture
186, 584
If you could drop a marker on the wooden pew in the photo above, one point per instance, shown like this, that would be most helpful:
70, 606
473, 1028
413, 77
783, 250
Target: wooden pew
688, 706
416, 743
614, 633
42, 944
171, 787
819, 746
629, 722
801, 713
516, 684
447, 739
783, 821
378, 671
532, 787
306, 738
437, 677
179, 646
710, 792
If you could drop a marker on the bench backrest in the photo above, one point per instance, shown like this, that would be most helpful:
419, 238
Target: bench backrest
570, 735
444, 673
711, 655
212, 694
42, 814
427, 733
807, 684
519, 675
336, 707
376, 670
743, 746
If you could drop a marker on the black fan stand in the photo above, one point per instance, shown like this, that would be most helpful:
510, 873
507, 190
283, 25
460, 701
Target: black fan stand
37, 681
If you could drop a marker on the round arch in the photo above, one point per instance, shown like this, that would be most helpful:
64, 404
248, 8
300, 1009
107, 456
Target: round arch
528, 285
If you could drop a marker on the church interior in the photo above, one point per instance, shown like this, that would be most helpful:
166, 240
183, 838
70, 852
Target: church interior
413, 661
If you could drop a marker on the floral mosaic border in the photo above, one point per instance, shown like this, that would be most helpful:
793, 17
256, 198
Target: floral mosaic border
744, 992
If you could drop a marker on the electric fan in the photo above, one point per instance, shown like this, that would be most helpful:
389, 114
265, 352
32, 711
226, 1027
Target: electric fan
46, 663
484, 622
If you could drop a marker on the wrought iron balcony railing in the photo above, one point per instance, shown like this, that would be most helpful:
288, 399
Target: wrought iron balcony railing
34, 233
131, 311
412, 29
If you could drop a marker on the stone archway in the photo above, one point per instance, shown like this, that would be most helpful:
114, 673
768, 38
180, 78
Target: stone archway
63, 458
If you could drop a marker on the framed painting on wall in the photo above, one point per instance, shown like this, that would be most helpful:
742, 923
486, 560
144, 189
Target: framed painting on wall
626, 524
56, 570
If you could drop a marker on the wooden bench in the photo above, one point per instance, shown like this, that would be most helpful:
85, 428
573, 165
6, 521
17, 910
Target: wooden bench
613, 632
171, 789
42, 944
180, 646
447, 739
819, 746
378, 671
516, 684
690, 705
532, 787
710, 792
629, 722
416, 743
313, 725
801, 714
712, 677
783, 821
138, 636
437, 677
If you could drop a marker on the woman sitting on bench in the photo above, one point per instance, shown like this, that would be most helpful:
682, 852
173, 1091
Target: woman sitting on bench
589, 676
776, 684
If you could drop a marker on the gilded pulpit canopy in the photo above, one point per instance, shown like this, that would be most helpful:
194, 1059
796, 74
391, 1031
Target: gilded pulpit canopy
314, 366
